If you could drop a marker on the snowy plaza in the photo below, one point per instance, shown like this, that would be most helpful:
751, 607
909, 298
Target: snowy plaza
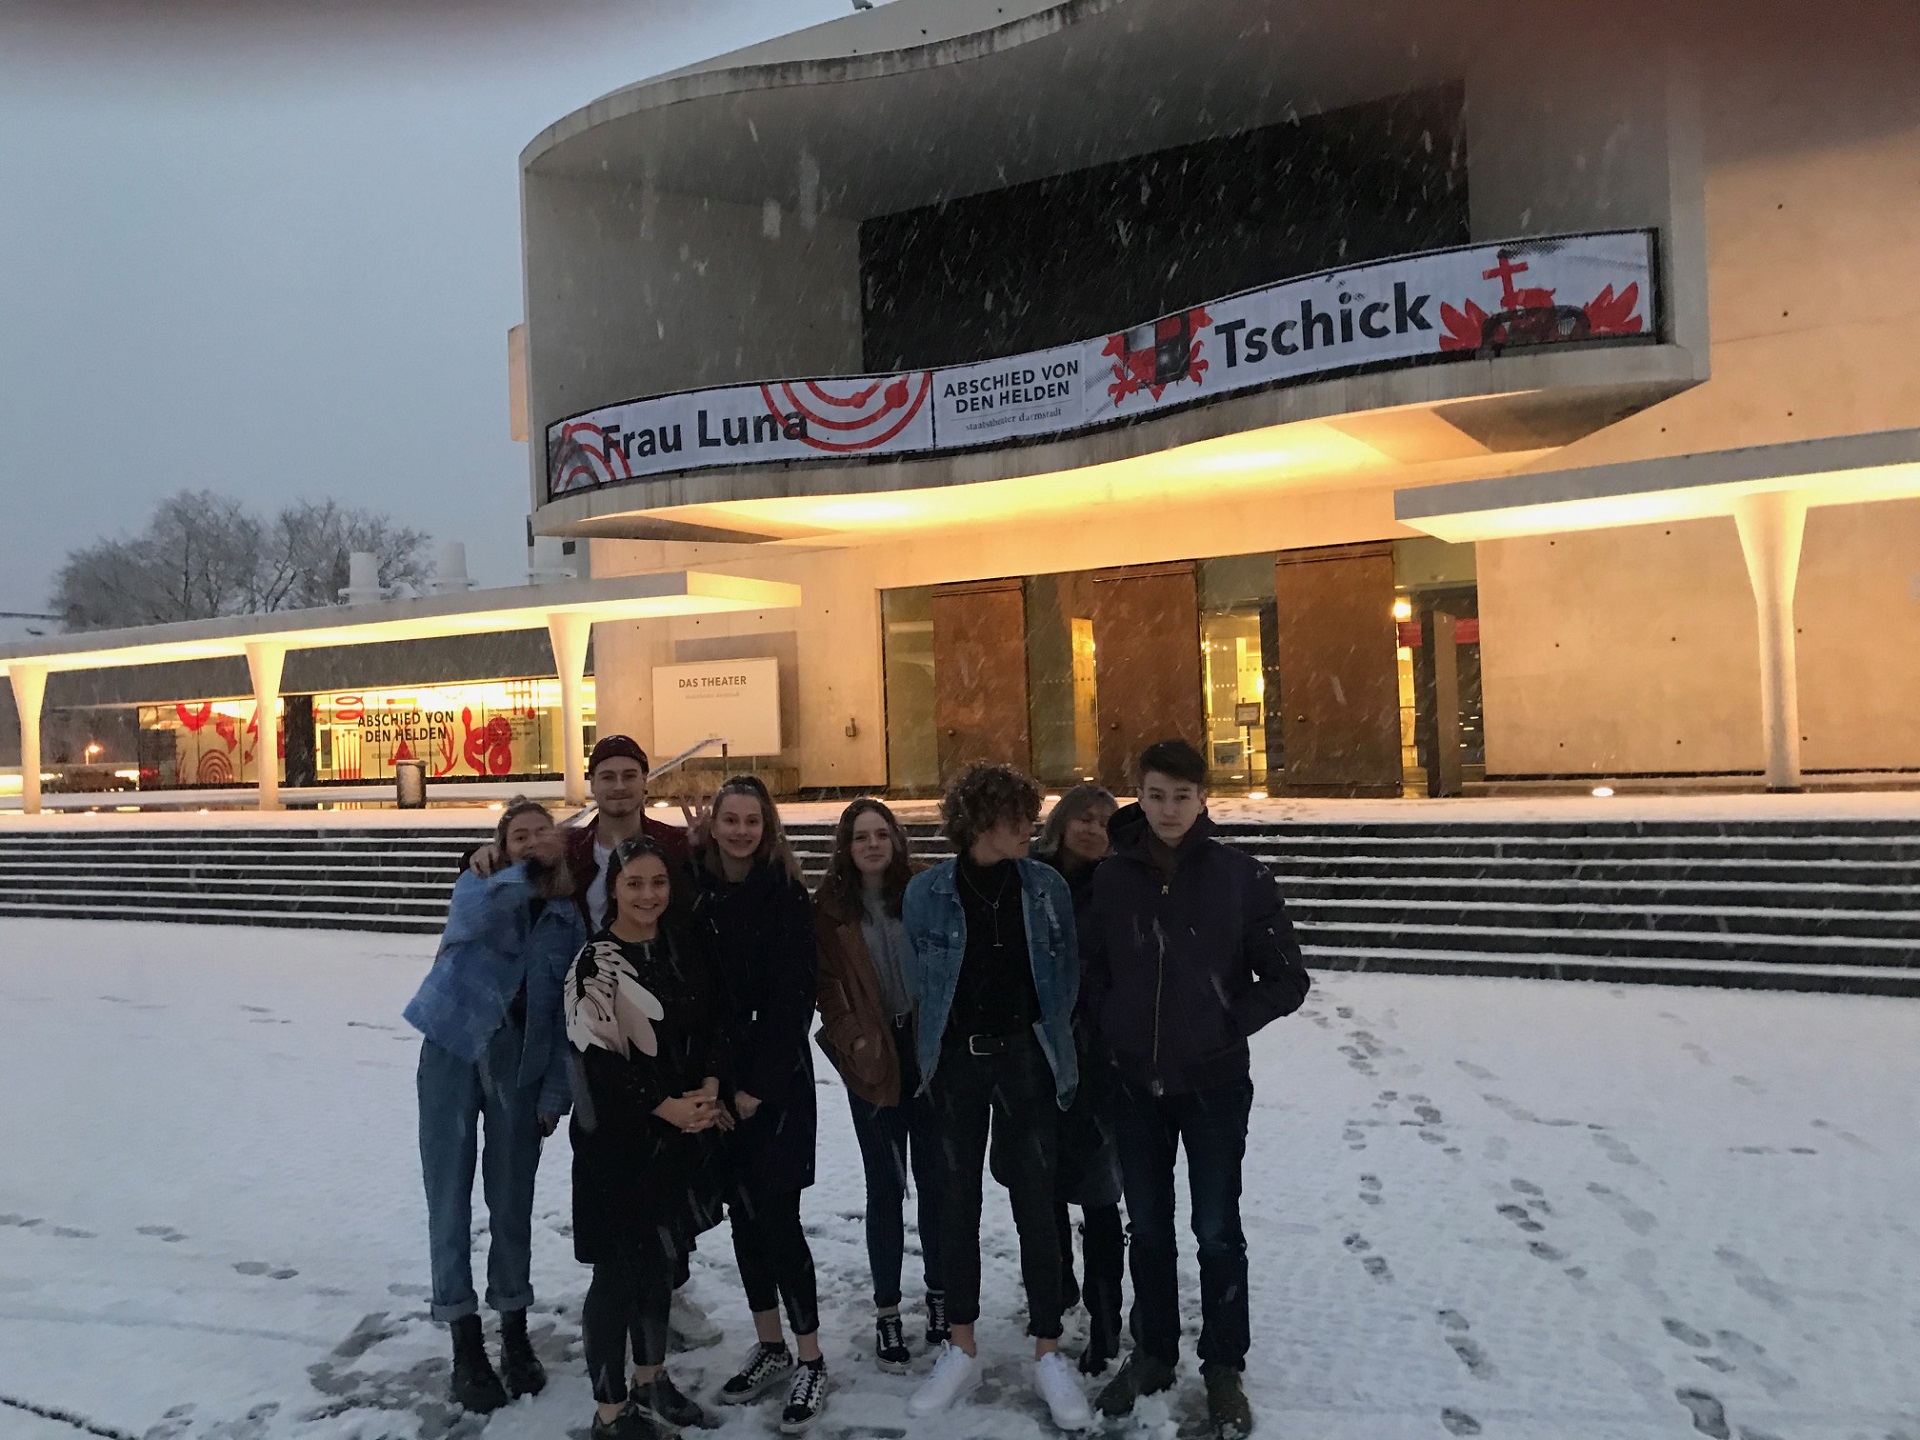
1495, 1207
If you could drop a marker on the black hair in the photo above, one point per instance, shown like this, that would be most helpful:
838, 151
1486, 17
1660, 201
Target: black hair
1175, 759
984, 797
624, 854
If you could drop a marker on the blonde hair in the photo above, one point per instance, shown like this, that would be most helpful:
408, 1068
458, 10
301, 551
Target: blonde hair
774, 849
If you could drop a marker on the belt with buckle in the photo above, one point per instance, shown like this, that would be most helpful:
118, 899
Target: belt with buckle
990, 1044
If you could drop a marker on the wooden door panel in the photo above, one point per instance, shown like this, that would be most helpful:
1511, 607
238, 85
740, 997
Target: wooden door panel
1339, 681
980, 676
1146, 623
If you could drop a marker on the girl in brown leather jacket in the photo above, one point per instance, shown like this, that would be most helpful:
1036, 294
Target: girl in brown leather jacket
866, 1013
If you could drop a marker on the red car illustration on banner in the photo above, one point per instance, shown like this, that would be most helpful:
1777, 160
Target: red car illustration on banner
1155, 356
1531, 315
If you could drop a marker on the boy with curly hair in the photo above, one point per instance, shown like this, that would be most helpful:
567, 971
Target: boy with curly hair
996, 972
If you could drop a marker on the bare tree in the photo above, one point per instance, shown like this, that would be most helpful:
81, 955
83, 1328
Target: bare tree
203, 555
307, 550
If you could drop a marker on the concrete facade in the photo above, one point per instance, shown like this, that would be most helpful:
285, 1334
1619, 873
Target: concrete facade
1778, 157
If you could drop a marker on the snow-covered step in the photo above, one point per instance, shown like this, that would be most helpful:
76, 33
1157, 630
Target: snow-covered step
1783, 919
1546, 965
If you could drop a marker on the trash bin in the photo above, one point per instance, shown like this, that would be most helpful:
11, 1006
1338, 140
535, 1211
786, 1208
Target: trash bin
410, 784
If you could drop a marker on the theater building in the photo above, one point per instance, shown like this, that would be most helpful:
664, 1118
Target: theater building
1392, 398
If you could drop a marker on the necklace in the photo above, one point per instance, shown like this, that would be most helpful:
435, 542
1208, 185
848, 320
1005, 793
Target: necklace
992, 902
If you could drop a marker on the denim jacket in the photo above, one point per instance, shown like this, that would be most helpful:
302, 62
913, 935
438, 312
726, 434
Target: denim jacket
936, 929
495, 942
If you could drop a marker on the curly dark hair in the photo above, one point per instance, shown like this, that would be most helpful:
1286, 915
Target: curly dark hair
982, 798
840, 888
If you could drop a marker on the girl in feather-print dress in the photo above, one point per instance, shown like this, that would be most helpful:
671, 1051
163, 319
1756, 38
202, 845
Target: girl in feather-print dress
647, 1022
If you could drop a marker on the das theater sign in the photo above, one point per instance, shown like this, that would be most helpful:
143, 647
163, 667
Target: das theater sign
1439, 305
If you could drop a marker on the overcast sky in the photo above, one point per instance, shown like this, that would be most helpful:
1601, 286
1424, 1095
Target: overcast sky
271, 248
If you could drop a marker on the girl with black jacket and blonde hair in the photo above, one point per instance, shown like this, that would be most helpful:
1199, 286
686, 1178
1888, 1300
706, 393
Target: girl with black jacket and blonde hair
756, 915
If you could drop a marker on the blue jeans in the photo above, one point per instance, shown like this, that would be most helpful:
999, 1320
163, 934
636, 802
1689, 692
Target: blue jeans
453, 1097
890, 1136
1212, 1126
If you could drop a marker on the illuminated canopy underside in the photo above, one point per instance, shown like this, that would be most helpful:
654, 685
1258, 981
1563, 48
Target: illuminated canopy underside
482, 612
1843, 470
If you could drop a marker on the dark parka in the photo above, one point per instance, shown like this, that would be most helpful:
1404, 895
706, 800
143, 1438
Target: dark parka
632, 1171
761, 934
1180, 970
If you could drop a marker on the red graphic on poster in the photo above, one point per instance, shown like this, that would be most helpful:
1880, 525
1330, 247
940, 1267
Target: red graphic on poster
847, 421
194, 720
581, 458
1155, 356
215, 768
489, 750
1531, 315
225, 727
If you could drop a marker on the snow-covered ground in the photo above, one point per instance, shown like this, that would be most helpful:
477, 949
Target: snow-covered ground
1475, 1207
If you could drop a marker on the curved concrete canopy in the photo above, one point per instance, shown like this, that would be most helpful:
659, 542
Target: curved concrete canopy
933, 102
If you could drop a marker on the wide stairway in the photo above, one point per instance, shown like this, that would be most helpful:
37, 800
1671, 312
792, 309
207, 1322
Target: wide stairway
1831, 905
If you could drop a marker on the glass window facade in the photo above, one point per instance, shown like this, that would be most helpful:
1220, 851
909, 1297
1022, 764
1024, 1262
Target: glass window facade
496, 729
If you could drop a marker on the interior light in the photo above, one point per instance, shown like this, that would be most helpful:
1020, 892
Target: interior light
1602, 791
1403, 609
1256, 794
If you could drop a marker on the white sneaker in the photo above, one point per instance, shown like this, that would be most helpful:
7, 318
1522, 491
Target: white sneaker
956, 1375
688, 1326
1055, 1383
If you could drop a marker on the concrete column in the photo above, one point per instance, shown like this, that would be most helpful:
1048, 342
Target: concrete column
569, 632
1771, 527
263, 664
29, 690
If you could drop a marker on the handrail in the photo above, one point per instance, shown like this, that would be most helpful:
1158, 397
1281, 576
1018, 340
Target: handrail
667, 767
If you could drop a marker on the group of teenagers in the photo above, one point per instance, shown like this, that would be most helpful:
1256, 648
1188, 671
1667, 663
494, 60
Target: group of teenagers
1068, 1022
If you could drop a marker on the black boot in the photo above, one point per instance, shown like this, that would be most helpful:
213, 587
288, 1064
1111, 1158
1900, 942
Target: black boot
519, 1366
1229, 1415
475, 1387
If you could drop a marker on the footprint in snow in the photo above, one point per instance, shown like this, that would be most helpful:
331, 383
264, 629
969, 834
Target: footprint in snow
1551, 1253
1686, 1334
1464, 1346
1478, 1072
1752, 1355
1631, 1215
165, 1233
260, 1267
1617, 1150
1459, 1422
1519, 1216
1709, 1415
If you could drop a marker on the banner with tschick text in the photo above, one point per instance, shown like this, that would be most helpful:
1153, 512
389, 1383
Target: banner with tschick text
1474, 300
